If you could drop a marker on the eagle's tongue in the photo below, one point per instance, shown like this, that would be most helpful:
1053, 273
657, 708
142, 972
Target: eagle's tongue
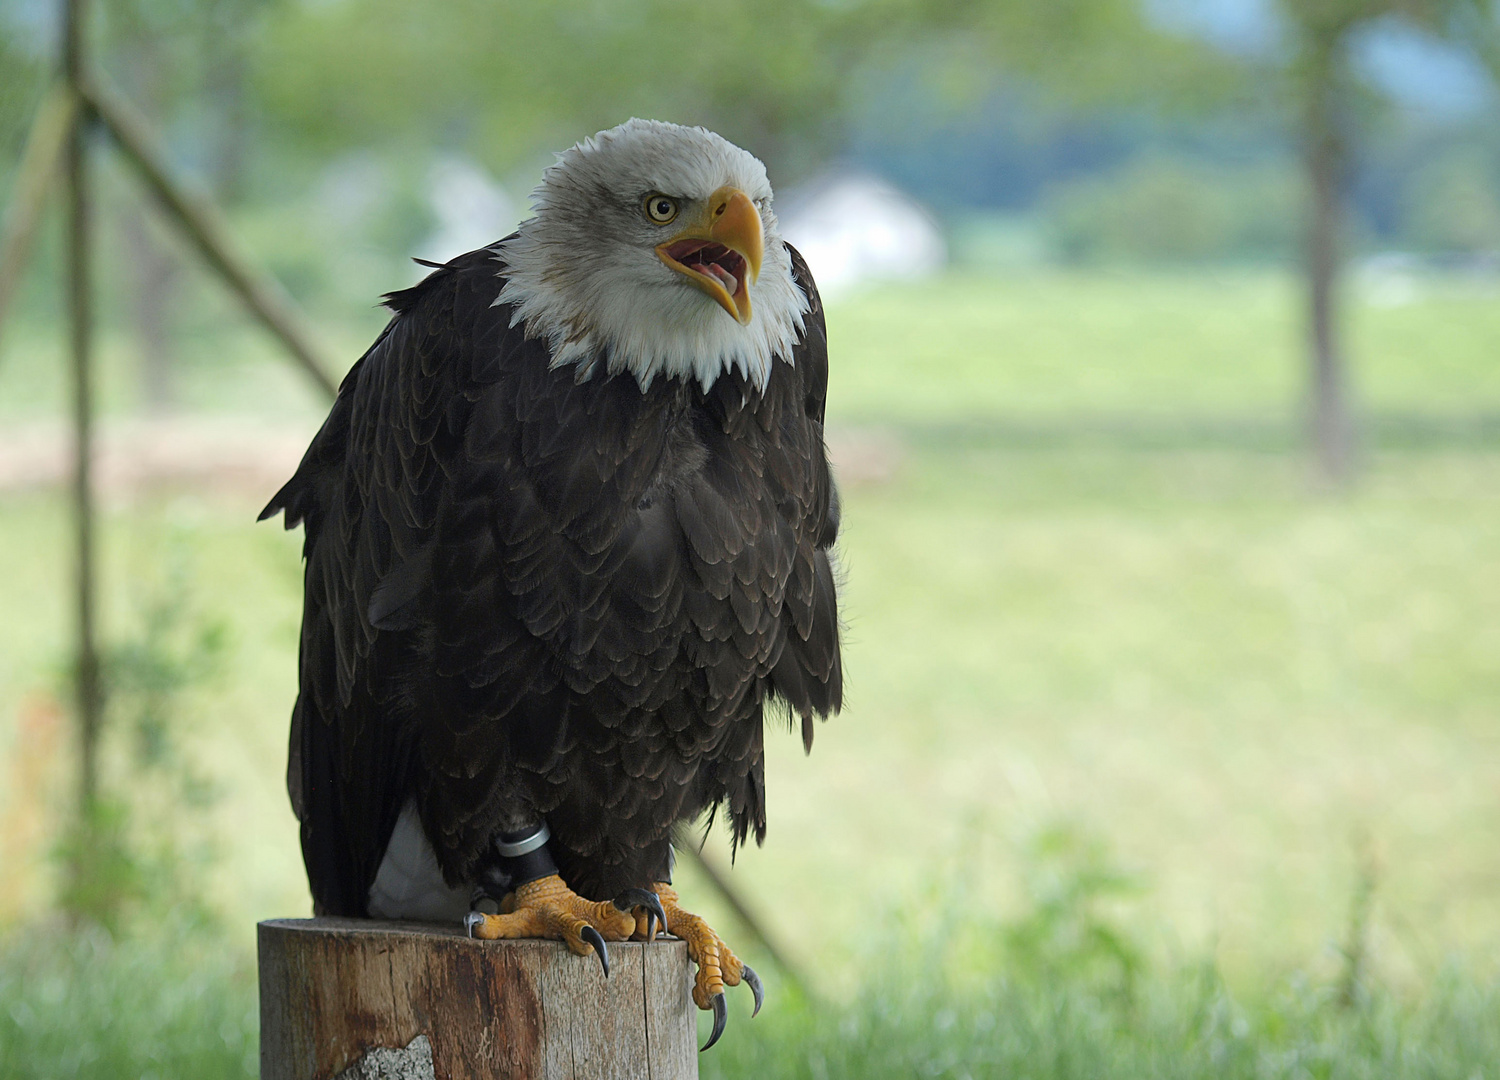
728, 280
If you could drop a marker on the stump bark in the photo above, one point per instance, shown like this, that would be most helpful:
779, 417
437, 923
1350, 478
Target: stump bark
357, 999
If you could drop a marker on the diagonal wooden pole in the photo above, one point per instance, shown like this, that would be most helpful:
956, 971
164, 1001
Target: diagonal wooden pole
41, 163
202, 223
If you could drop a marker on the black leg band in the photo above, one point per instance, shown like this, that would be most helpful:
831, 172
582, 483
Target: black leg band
515, 859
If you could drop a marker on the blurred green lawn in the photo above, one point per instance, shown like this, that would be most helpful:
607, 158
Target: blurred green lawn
1099, 588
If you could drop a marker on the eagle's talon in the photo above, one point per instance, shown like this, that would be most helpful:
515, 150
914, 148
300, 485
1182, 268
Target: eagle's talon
718, 967
472, 920
752, 980
631, 899
592, 937
721, 1017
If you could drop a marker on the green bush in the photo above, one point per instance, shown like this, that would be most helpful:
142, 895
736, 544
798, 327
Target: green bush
1174, 209
142, 845
1453, 205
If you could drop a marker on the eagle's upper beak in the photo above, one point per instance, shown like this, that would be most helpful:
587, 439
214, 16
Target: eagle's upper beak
720, 253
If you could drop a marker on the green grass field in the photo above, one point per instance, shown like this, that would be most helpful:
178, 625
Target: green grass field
1099, 594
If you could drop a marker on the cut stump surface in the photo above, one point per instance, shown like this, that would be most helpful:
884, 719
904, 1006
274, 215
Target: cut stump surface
334, 990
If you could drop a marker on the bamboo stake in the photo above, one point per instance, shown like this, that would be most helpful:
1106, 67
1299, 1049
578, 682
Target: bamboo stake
40, 165
207, 229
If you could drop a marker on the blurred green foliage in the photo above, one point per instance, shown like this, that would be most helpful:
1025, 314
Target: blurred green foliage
507, 81
1175, 209
1453, 204
140, 851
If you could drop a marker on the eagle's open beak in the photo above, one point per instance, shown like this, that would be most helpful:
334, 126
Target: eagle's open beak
721, 254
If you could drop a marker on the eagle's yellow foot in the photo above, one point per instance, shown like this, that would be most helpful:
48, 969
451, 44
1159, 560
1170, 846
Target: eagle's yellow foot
718, 967
547, 908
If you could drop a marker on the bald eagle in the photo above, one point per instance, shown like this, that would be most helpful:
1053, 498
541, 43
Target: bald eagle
567, 544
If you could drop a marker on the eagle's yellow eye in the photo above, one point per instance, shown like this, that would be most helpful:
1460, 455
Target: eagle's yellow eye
660, 208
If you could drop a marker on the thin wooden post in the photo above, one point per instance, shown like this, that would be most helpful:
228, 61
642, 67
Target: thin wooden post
80, 319
356, 999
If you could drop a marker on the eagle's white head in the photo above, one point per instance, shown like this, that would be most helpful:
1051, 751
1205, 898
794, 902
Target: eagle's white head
654, 250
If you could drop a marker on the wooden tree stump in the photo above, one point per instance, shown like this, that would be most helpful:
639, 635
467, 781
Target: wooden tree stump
357, 999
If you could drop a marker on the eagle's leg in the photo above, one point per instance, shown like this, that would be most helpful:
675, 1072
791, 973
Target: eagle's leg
537, 903
718, 967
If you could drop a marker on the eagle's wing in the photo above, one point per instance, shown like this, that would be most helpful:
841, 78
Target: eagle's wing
810, 673
789, 456
368, 492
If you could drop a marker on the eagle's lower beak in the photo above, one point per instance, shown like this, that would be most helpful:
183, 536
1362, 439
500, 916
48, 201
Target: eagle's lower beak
721, 253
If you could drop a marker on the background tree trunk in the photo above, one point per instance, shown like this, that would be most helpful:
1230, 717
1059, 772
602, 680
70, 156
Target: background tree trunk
1325, 155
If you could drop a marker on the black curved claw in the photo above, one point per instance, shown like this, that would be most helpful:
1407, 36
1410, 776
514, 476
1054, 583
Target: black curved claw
631, 899
594, 938
753, 981
721, 1017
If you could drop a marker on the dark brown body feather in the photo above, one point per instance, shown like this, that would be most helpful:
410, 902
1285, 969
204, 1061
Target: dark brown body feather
528, 596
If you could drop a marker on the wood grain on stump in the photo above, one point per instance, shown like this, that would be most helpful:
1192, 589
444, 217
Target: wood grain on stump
332, 990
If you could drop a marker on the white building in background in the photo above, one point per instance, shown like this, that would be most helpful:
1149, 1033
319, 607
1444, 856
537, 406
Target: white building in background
471, 209
854, 228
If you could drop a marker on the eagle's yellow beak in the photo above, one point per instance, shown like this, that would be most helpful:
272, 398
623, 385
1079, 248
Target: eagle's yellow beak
721, 252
